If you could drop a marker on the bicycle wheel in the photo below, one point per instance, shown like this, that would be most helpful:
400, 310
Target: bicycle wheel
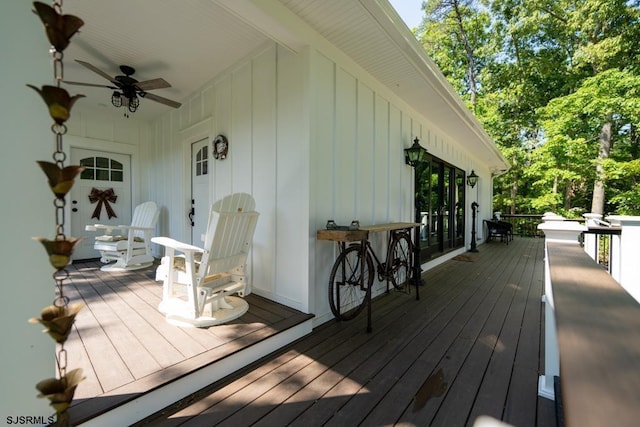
399, 260
347, 296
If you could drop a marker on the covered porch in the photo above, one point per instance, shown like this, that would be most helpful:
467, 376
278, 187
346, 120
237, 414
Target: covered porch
300, 100
470, 346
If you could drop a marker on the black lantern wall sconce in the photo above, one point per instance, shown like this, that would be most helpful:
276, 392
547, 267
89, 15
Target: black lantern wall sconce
472, 179
416, 154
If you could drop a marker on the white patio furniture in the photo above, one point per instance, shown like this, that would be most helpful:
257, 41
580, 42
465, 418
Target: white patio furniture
198, 283
128, 245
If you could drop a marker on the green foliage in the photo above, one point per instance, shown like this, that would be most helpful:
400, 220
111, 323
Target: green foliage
624, 182
545, 77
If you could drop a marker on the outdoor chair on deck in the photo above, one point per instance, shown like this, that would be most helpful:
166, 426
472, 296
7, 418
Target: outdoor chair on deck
198, 282
501, 229
128, 245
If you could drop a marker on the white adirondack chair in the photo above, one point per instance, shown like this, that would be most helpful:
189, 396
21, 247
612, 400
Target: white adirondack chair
128, 245
198, 282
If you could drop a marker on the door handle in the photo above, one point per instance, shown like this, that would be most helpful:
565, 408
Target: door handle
192, 212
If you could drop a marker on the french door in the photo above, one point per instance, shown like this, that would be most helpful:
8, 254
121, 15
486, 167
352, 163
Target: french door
101, 195
441, 194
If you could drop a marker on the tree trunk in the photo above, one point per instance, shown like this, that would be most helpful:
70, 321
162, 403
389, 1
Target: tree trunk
634, 138
554, 189
514, 194
471, 63
568, 196
597, 202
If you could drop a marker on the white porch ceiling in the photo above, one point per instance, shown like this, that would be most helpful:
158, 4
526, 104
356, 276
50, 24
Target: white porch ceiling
186, 42
190, 42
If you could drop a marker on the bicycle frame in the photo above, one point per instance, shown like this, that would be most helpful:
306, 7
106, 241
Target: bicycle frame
386, 269
353, 272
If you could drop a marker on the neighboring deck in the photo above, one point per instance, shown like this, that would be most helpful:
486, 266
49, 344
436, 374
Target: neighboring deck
478, 321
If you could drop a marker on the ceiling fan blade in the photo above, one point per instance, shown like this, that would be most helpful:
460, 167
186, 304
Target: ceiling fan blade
88, 84
152, 84
96, 70
162, 100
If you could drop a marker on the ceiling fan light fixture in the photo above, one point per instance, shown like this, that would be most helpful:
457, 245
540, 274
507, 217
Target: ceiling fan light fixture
134, 102
116, 99
128, 90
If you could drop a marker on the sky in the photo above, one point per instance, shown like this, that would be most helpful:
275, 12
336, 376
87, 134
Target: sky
409, 11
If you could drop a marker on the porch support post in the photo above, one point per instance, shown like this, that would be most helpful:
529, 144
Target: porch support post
555, 229
625, 253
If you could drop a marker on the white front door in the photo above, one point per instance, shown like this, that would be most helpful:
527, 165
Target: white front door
200, 166
101, 195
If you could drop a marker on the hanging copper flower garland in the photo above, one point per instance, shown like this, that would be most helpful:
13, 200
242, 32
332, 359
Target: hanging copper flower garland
58, 318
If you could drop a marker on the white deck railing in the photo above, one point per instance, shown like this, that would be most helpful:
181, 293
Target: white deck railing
592, 320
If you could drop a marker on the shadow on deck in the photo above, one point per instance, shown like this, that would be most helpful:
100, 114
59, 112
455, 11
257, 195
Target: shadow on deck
470, 347
126, 348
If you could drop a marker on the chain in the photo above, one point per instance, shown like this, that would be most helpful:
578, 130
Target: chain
59, 156
58, 318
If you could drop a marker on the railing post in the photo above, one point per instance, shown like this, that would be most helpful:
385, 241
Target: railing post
555, 229
625, 253
591, 240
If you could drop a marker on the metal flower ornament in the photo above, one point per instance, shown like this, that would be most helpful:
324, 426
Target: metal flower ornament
60, 179
60, 391
58, 321
59, 250
58, 318
58, 101
59, 28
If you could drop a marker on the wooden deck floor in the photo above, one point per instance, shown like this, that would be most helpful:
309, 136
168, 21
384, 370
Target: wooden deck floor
478, 323
125, 347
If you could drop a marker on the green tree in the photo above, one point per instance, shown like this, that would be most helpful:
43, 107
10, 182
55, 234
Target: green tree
555, 83
454, 32
598, 113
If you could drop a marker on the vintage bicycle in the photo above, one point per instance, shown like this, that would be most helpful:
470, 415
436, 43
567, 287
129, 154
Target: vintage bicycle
355, 268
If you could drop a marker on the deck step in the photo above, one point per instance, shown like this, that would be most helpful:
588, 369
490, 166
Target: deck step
132, 408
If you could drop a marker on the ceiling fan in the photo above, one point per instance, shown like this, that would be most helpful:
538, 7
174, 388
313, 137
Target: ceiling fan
128, 90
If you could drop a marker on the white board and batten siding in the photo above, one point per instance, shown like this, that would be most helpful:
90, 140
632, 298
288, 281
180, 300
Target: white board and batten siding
359, 131
312, 138
258, 106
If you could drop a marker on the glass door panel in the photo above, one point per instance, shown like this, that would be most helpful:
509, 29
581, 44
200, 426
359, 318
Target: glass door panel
441, 194
423, 197
446, 208
459, 204
435, 207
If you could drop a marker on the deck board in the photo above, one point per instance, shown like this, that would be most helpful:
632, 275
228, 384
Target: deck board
526, 332
478, 321
494, 389
454, 344
125, 346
